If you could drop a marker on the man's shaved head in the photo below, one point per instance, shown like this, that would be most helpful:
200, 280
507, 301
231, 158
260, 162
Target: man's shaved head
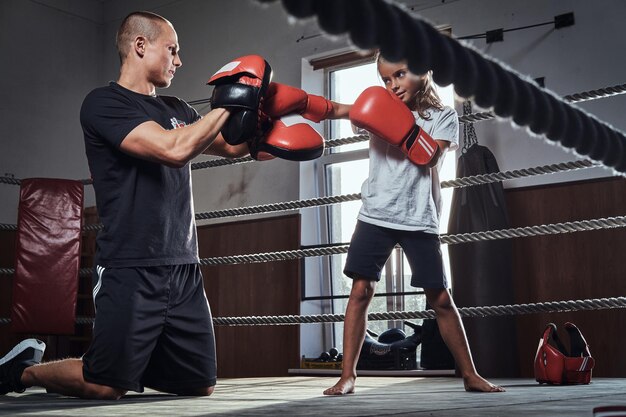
146, 24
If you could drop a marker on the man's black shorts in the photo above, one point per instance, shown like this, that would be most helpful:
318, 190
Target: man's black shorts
153, 328
371, 245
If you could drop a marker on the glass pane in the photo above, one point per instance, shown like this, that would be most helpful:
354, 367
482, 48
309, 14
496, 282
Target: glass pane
343, 178
345, 87
447, 172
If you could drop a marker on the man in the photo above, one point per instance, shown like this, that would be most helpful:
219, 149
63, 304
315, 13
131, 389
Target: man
153, 326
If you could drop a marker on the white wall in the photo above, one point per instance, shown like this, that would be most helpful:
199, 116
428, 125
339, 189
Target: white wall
52, 55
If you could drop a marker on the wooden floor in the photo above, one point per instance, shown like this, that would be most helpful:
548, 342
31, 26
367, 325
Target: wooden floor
301, 396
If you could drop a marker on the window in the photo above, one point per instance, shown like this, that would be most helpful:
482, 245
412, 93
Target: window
345, 85
342, 171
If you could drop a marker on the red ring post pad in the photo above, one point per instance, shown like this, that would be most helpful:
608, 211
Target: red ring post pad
45, 284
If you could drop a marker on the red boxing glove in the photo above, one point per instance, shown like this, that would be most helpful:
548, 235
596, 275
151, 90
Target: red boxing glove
298, 142
282, 99
385, 115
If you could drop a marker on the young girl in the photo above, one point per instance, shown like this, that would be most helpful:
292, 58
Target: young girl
401, 205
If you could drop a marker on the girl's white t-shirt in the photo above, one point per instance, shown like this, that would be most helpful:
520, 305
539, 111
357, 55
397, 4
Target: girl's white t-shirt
399, 194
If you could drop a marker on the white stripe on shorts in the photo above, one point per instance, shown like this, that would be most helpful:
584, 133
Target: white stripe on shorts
99, 271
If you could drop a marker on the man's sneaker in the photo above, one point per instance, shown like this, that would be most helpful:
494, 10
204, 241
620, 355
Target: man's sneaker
27, 353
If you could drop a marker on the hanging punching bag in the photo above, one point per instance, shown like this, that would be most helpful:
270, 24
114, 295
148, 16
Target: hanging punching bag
481, 271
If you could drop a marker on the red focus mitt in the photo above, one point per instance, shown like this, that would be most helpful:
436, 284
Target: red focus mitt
240, 87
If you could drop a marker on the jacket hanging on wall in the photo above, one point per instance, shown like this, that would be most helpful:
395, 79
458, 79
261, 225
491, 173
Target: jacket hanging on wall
481, 271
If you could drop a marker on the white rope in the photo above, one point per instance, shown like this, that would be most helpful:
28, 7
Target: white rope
485, 311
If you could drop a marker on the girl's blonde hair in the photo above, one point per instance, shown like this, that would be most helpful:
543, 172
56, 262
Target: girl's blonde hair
427, 96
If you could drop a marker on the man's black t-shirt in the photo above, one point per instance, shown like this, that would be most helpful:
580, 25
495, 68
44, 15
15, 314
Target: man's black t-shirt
146, 207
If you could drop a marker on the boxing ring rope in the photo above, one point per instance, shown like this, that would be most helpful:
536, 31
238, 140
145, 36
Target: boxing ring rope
468, 118
571, 98
324, 201
10, 180
378, 24
335, 249
518, 173
4, 226
485, 311
596, 94
456, 183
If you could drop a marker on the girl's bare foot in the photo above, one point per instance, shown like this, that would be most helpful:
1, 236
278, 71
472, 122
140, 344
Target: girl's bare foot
476, 383
342, 387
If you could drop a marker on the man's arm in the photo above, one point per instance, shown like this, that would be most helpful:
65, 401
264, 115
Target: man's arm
174, 147
220, 147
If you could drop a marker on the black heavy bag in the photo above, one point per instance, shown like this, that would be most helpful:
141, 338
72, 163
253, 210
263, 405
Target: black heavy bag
481, 271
